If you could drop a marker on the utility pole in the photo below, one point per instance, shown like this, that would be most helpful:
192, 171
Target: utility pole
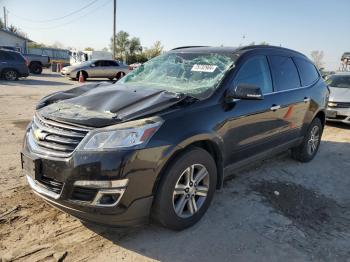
114, 24
5, 18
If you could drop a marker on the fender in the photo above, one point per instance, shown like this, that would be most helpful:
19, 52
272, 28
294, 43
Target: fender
172, 152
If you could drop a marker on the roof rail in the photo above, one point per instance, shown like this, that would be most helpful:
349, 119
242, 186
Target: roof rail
248, 47
189, 46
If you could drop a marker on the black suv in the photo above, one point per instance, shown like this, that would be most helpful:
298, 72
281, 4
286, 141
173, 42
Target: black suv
12, 65
160, 141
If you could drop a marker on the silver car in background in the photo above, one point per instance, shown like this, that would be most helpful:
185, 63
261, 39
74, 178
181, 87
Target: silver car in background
110, 69
338, 109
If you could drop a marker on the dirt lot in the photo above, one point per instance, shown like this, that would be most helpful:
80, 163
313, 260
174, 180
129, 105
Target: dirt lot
276, 210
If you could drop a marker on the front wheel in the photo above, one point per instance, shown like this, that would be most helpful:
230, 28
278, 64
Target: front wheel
307, 150
186, 190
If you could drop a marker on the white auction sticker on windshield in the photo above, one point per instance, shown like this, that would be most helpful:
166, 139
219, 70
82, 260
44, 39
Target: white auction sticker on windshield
204, 68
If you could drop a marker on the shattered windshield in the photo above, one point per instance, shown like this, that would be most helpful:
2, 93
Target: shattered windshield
195, 74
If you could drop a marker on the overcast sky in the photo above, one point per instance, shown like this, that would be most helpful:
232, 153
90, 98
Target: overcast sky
298, 24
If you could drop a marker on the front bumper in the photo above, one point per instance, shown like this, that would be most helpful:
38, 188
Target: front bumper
58, 183
338, 115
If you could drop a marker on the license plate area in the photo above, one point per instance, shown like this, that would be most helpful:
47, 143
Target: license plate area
32, 166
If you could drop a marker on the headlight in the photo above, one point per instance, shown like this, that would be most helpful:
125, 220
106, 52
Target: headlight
332, 104
129, 134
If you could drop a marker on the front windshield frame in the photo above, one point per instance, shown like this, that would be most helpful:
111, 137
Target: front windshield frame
331, 81
200, 73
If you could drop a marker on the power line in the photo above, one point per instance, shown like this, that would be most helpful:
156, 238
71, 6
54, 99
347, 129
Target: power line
71, 21
56, 18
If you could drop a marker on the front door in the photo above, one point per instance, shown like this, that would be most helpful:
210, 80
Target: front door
252, 124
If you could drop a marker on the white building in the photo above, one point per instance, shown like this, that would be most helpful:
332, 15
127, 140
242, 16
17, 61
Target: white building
10, 39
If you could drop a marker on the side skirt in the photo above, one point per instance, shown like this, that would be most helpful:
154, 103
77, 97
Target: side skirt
266, 154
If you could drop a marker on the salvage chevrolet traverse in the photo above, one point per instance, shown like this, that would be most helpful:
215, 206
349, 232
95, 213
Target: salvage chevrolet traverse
160, 141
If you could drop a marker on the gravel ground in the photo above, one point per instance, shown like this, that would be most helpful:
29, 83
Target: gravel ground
275, 210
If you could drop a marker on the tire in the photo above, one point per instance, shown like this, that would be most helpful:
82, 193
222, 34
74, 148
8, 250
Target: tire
120, 75
307, 150
35, 68
10, 74
167, 205
85, 75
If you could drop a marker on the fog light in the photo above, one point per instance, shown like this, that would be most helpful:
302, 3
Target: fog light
109, 199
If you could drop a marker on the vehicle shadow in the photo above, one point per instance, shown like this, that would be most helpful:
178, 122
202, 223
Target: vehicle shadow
234, 226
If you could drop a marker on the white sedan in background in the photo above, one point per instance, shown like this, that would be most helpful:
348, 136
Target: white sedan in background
110, 69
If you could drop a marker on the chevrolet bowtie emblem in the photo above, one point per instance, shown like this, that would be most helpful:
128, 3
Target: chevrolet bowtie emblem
39, 134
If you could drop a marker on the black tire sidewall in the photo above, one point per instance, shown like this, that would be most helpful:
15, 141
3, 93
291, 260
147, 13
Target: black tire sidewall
304, 155
9, 70
36, 69
163, 208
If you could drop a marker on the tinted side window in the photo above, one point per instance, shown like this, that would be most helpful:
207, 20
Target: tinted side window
98, 63
255, 72
307, 70
284, 73
5, 56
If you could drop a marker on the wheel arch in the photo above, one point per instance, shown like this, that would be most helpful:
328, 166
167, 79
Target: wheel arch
322, 116
35, 62
212, 146
84, 73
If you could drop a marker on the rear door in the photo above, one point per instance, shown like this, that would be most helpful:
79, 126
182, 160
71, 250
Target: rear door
291, 101
112, 68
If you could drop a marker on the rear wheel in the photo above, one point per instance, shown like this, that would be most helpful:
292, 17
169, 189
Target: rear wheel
186, 190
120, 75
10, 74
307, 150
35, 68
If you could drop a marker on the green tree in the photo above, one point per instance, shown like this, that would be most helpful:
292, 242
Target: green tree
155, 50
121, 45
135, 46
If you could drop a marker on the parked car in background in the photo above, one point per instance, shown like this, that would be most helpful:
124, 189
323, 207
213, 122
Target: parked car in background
12, 65
96, 69
159, 142
36, 63
338, 109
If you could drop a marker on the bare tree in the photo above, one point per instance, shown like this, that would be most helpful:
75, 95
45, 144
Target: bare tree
317, 58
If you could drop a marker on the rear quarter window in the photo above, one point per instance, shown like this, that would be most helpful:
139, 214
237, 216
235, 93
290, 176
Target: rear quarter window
308, 72
284, 73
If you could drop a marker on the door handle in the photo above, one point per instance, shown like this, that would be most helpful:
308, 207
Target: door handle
275, 107
306, 99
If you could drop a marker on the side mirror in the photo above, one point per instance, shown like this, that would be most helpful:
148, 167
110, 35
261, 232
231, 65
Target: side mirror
244, 91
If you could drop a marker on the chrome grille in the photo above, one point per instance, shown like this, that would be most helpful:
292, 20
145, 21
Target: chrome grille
53, 138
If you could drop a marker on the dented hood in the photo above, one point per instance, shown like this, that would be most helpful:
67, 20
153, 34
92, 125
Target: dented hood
99, 105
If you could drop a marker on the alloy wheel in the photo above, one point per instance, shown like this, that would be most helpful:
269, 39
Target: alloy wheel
314, 140
191, 191
10, 75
